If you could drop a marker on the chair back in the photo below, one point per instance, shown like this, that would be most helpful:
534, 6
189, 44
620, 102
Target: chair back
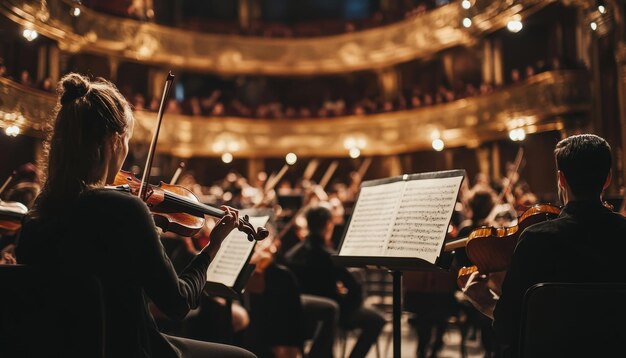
47, 314
574, 320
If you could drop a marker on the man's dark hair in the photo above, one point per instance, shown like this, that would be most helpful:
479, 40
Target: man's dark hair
317, 217
585, 160
481, 204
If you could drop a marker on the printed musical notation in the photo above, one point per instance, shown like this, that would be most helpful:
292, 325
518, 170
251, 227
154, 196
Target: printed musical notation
423, 217
402, 219
233, 255
372, 219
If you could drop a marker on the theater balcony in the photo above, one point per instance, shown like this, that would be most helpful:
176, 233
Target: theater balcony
418, 36
552, 100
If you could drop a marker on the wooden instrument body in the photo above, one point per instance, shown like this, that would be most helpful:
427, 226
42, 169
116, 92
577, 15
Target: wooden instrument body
167, 217
491, 249
11, 214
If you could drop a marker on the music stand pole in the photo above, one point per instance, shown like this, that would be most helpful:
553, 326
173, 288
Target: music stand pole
397, 313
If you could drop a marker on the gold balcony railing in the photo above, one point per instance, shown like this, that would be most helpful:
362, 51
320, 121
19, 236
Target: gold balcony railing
547, 101
26, 108
417, 37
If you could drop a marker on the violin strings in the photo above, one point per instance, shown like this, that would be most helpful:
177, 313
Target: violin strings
197, 206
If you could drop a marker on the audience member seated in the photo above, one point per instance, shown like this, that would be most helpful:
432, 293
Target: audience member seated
25, 78
344, 102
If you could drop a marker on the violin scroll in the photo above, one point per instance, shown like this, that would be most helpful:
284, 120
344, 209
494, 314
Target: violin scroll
246, 227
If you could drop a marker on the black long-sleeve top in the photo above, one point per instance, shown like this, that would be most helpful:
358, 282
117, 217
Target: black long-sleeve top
586, 243
317, 275
112, 235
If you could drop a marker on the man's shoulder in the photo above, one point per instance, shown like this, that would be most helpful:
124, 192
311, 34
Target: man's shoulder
567, 227
546, 233
549, 227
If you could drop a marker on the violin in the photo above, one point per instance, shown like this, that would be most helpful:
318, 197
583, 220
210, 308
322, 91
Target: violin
11, 215
174, 208
491, 249
177, 209
11, 212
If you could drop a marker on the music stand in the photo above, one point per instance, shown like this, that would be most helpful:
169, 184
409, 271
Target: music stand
232, 259
389, 256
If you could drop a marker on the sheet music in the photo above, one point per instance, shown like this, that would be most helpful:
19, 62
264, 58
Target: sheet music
233, 255
422, 218
372, 220
402, 219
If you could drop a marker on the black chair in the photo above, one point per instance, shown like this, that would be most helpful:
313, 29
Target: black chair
47, 314
574, 320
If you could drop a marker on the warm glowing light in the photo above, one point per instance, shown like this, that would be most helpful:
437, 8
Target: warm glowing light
602, 9
515, 25
354, 152
467, 22
354, 145
466, 4
75, 11
593, 25
291, 158
438, 144
517, 134
30, 34
12, 131
227, 158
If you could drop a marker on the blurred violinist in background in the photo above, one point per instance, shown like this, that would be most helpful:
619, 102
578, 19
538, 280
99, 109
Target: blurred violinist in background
24, 186
20, 189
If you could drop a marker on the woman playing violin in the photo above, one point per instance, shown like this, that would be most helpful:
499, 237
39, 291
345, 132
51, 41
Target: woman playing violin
79, 226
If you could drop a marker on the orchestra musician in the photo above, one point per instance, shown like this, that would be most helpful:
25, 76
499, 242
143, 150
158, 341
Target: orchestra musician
584, 244
480, 205
79, 226
311, 262
22, 187
283, 316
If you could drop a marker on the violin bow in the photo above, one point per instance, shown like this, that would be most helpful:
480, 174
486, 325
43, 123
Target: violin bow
274, 179
518, 162
6, 182
146, 172
362, 170
329, 174
310, 169
177, 173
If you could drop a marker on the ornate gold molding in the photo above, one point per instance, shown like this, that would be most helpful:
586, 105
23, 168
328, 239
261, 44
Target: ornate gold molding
544, 102
25, 107
417, 37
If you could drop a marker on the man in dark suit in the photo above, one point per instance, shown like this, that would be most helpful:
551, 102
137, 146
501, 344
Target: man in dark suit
317, 275
584, 244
